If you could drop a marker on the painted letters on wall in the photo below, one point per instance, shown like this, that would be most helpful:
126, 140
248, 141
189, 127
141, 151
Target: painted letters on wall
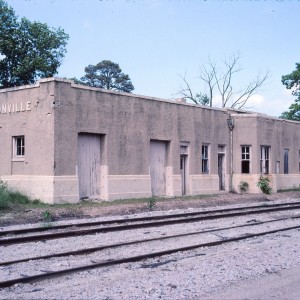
15, 107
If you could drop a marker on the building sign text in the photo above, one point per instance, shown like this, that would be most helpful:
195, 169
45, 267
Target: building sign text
15, 107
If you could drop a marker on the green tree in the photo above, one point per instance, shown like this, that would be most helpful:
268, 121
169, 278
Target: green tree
107, 75
292, 82
28, 50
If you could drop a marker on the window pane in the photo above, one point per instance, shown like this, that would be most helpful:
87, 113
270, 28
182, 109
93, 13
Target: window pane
246, 166
19, 146
204, 158
286, 161
267, 167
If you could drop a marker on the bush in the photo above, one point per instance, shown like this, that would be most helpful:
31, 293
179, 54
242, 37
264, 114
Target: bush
47, 216
264, 185
8, 197
4, 195
243, 186
151, 203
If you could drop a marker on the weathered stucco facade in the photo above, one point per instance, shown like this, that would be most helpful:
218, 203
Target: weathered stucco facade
61, 142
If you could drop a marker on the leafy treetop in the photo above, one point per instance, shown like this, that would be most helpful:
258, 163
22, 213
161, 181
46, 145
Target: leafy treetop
28, 50
292, 82
107, 75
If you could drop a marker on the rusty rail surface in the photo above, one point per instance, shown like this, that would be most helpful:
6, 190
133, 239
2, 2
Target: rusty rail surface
39, 277
174, 219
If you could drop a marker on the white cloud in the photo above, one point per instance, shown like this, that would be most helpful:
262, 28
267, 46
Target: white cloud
273, 106
256, 101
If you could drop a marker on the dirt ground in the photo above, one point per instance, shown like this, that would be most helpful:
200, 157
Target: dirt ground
32, 214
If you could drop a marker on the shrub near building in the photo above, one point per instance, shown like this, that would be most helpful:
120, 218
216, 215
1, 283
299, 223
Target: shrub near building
10, 197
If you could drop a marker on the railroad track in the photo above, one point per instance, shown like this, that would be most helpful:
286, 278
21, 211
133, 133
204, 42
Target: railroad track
9, 237
209, 238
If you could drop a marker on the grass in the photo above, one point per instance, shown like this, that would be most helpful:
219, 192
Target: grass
295, 189
9, 197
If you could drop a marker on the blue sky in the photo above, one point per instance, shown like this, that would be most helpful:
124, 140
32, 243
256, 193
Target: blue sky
156, 41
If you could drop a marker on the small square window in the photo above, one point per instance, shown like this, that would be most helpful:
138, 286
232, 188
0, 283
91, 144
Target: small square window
19, 146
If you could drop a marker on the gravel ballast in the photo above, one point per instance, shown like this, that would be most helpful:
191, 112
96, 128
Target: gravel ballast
196, 274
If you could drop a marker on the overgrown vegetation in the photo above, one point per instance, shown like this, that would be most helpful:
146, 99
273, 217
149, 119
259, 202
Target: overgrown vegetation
243, 186
151, 203
10, 197
294, 189
264, 185
47, 216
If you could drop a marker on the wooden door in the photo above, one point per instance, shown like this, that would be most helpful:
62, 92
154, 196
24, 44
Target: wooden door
158, 167
89, 165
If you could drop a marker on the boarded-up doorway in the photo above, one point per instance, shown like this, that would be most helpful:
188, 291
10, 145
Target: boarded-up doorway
158, 160
89, 165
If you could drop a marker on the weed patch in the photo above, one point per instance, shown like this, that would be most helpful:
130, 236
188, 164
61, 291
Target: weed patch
296, 189
151, 203
9, 197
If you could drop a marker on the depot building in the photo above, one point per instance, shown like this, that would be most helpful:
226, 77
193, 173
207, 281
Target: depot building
62, 142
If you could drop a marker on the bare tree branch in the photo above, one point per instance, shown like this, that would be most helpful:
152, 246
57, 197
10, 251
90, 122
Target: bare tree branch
186, 91
224, 81
214, 79
208, 75
252, 87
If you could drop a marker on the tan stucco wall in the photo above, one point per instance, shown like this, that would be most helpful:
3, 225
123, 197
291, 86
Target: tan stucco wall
258, 130
60, 110
128, 123
36, 124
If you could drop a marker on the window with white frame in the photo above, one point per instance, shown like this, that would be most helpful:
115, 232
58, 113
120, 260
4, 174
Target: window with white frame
286, 161
205, 160
245, 165
264, 159
18, 146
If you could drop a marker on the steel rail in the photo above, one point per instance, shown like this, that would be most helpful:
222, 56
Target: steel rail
39, 277
140, 219
57, 235
106, 247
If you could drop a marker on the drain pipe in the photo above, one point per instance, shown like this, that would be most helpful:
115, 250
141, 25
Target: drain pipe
230, 123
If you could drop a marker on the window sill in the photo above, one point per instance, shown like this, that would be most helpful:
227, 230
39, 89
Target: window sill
18, 158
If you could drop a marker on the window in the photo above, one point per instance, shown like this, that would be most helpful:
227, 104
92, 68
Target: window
18, 146
299, 161
205, 168
286, 161
264, 159
245, 159
277, 167
221, 149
